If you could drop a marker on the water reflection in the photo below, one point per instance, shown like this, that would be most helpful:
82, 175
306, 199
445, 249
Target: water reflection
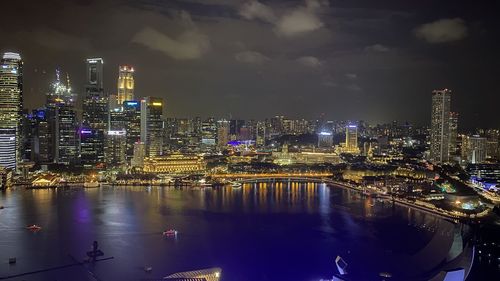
282, 230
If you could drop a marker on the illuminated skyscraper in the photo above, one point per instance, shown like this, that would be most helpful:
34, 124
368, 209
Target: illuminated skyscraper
453, 132
208, 132
61, 115
474, 149
132, 116
125, 84
95, 116
260, 133
152, 125
222, 133
11, 107
440, 126
325, 140
351, 139
115, 148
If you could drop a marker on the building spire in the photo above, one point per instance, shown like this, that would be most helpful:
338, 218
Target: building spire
68, 81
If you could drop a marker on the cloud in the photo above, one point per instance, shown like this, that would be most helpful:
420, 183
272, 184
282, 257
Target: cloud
293, 22
309, 61
298, 21
377, 48
256, 10
351, 76
54, 39
190, 44
441, 31
354, 88
251, 57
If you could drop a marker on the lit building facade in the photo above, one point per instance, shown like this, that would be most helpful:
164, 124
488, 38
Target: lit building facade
152, 125
95, 116
125, 84
325, 140
453, 132
351, 140
132, 117
260, 134
473, 149
11, 107
64, 140
440, 126
222, 133
139, 155
174, 164
208, 132
116, 146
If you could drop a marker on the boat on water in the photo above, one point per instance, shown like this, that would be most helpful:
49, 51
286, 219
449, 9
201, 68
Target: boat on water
34, 227
2, 207
148, 268
170, 233
90, 184
236, 184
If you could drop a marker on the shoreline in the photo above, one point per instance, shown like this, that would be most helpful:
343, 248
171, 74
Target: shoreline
443, 214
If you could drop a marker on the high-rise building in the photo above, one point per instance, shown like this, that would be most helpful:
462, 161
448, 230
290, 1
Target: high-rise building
222, 133
139, 155
474, 149
208, 132
11, 107
61, 113
115, 148
152, 125
132, 117
41, 136
453, 132
351, 139
260, 134
325, 140
125, 84
95, 116
440, 126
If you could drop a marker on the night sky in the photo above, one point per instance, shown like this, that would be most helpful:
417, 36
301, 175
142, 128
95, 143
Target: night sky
353, 59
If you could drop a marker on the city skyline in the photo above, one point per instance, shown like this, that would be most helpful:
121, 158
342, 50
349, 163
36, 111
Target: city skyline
345, 66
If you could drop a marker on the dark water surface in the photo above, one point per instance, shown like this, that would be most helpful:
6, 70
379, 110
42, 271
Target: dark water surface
281, 231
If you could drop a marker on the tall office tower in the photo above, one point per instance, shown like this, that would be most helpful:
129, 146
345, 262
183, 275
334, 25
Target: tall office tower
325, 140
11, 107
139, 154
41, 136
440, 126
234, 128
152, 125
116, 146
208, 132
125, 84
63, 124
95, 116
277, 125
474, 149
453, 132
260, 134
351, 138
27, 126
132, 117
222, 133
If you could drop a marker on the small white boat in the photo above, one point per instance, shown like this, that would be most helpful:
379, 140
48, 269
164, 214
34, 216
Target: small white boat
148, 268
